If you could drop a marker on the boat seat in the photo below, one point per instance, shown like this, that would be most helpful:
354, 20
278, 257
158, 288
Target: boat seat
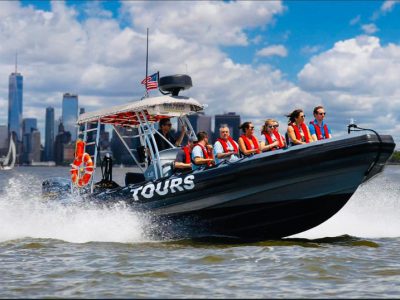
131, 178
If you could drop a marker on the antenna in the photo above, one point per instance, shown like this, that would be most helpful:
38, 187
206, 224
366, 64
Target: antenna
147, 61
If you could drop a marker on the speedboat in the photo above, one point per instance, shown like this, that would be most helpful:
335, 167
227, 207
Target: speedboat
7, 162
266, 196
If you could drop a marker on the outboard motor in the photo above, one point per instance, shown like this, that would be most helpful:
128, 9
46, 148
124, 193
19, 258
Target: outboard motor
173, 84
56, 188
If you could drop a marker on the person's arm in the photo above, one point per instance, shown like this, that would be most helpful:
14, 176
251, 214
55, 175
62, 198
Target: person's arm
243, 149
292, 136
202, 161
267, 147
311, 138
312, 133
180, 138
219, 151
182, 165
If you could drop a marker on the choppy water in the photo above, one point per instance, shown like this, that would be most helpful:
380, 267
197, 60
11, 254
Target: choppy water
50, 250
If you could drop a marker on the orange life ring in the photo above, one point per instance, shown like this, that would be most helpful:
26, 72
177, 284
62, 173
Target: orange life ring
82, 167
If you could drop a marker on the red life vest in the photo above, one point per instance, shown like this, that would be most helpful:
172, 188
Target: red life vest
186, 149
247, 142
297, 131
318, 131
278, 138
225, 144
206, 154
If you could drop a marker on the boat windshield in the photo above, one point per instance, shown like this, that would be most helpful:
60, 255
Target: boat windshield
134, 124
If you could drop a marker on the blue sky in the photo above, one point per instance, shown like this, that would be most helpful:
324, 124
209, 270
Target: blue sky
261, 59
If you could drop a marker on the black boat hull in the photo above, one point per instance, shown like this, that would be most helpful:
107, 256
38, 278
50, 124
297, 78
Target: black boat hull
271, 195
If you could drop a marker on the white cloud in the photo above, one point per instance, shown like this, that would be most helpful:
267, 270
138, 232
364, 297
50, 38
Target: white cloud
311, 49
355, 20
274, 50
358, 78
388, 5
369, 28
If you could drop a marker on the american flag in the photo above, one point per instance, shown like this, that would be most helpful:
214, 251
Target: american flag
152, 81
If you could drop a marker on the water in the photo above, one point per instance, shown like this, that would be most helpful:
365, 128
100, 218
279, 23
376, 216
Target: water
50, 250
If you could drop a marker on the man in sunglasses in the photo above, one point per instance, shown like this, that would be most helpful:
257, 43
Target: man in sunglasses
318, 129
165, 130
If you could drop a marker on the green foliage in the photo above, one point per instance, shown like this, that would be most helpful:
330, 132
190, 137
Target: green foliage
395, 157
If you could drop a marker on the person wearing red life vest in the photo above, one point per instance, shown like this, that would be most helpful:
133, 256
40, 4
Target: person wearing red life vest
297, 130
248, 143
183, 161
225, 148
271, 139
202, 152
318, 128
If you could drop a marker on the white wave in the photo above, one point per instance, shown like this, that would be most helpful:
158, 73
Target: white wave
372, 212
23, 213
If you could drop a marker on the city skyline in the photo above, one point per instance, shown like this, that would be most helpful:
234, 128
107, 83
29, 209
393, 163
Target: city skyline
261, 59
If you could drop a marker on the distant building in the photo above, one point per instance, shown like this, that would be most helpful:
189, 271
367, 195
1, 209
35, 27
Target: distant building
31, 147
29, 125
70, 114
63, 137
201, 122
49, 135
232, 120
15, 92
3, 137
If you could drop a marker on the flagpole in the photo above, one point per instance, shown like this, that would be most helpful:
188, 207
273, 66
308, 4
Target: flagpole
147, 61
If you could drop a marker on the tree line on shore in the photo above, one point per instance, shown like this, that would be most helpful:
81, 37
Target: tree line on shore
395, 157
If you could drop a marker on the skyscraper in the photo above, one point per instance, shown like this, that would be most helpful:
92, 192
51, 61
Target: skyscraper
28, 125
201, 122
49, 134
70, 113
15, 92
232, 120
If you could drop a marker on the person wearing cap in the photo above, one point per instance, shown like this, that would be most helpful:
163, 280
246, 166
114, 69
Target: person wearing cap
183, 161
225, 148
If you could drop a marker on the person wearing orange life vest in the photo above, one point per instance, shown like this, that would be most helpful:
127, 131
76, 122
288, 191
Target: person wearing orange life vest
225, 148
183, 161
318, 128
202, 152
271, 139
248, 143
297, 130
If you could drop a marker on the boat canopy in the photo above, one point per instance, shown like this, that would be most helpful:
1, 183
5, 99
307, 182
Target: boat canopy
154, 108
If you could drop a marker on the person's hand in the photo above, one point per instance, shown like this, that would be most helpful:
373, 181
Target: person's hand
183, 129
275, 144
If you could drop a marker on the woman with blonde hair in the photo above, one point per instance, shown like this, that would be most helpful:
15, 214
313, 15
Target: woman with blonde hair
271, 139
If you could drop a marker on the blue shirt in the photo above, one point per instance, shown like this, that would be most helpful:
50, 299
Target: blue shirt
312, 129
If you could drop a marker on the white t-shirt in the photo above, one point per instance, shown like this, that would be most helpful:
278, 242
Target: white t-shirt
219, 149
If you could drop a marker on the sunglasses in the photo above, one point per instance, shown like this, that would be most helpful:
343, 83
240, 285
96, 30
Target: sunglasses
303, 116
322, 114
251, 127
271, 126
276, 126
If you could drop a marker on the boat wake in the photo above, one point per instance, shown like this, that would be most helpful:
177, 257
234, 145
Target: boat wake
372, 212
24, 213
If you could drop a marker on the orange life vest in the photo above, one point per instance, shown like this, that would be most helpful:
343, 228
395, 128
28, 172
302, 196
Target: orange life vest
186, 149
278, 138
225, 144
206, 154
247, 142
297, 131
318, 131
